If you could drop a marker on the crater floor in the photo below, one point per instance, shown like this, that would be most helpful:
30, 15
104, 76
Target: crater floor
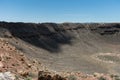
75, 47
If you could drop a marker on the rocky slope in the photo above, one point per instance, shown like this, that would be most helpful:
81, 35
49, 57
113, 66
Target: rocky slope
88, 47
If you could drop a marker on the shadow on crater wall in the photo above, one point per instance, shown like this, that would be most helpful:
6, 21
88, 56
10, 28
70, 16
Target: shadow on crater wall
51, 36
48, 36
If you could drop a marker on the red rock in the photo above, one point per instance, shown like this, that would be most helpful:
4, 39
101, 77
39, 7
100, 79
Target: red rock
1, 65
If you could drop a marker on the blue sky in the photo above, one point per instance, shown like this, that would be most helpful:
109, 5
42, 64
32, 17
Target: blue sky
60, 10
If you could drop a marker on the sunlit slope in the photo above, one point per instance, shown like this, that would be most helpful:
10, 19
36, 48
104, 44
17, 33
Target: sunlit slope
69, 46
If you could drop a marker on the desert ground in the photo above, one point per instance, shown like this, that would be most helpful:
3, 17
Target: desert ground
86, 48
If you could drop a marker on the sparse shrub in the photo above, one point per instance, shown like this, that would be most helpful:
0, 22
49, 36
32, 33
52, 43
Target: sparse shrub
30, 74
115, 77
28, 78
102, 78
16, 77
72, 77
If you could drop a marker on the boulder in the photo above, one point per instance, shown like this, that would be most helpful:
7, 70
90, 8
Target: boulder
7, 76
